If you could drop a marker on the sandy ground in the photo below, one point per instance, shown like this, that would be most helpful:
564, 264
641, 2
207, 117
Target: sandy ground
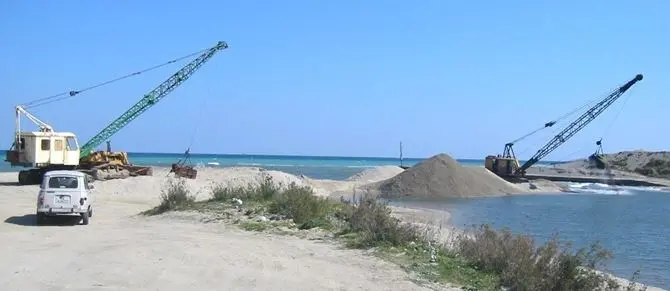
122, 251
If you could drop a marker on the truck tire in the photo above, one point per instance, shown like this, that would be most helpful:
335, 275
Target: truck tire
84, 218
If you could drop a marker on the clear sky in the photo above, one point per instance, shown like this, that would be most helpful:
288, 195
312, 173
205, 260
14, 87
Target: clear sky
346, 78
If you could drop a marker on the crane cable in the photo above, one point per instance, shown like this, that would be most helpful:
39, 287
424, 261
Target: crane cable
609, 127
551, 123
197, 123
556, 120
70, 94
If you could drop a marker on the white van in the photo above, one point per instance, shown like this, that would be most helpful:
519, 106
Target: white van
64, 193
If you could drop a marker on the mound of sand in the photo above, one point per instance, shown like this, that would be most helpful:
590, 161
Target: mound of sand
442, 176
376, 174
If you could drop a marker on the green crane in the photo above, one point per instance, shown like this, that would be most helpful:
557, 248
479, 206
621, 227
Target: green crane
150, 99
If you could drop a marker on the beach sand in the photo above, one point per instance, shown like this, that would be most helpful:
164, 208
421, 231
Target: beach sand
121, 250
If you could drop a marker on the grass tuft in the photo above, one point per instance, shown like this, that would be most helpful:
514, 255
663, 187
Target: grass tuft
175, 195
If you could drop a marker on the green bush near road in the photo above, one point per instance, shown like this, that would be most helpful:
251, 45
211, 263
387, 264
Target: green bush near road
484, 259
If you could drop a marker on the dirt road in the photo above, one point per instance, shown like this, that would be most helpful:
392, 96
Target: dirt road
122, 251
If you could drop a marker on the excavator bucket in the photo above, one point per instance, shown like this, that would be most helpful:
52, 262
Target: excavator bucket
184, 171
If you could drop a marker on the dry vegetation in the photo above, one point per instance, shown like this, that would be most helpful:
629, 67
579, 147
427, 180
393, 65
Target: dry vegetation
484, 259
651, 164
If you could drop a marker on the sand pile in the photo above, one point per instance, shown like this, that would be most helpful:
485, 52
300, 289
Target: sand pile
376, 174
442, 176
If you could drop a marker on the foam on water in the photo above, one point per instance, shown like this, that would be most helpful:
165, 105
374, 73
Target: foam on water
604, 189
600, 189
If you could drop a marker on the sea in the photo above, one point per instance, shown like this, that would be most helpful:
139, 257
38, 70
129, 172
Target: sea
632, 222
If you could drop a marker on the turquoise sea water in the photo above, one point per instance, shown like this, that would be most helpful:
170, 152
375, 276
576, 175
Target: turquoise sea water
634, 223
315, 167
337, 168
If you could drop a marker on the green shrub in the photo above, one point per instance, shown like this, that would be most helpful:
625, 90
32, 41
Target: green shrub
372, 220
301, 205
263, 192
175, 195
522, 266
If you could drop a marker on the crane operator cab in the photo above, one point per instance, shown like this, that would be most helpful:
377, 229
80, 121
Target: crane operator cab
43, 149
501, 166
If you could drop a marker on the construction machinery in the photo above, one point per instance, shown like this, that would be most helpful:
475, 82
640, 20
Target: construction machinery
47, 149
507, 165
597, 159
183, 168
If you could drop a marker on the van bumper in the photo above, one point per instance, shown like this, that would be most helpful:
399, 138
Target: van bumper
60, 210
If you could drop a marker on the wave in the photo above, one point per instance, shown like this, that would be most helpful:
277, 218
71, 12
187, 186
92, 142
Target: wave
304, 166
600, 188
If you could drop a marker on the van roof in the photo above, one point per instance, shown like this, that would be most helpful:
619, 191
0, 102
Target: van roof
64, 173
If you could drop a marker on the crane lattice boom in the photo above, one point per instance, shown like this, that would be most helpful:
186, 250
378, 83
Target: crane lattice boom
151, 98
577, 125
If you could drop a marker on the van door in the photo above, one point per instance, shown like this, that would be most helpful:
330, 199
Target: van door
62, 192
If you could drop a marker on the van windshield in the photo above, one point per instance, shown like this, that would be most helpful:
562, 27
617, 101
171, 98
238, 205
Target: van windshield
63, 182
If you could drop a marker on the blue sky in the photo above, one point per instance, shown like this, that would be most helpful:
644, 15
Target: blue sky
344, 77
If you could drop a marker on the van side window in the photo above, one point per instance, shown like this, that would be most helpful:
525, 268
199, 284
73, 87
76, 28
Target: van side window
86, 183
45, 144
58, 145
71, 144
22, 141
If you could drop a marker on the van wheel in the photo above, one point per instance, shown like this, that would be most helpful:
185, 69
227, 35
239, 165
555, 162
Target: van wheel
84, 218
90, 212
40, 218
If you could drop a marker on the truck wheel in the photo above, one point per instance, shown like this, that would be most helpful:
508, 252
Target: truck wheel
90, 212
84, 218
24, 177
40, 218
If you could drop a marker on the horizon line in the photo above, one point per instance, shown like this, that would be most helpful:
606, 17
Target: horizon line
311, 156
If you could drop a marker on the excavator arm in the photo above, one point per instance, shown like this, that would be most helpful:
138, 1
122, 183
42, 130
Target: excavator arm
150, 99
577, 125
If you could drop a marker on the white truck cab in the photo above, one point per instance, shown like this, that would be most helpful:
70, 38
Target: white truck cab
64, 192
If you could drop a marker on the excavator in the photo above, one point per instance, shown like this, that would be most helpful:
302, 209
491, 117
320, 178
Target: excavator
46, 149
507, 165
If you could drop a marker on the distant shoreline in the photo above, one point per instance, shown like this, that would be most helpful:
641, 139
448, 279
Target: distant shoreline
312, 157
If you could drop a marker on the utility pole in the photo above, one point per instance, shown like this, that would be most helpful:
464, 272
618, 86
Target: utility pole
401, 154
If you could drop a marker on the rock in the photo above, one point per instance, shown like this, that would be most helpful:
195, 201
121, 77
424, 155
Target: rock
262, 218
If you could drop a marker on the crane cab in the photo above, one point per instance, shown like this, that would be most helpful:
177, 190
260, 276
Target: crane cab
39, 149
501, 166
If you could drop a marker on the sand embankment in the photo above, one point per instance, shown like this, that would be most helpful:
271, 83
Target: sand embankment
122, 251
